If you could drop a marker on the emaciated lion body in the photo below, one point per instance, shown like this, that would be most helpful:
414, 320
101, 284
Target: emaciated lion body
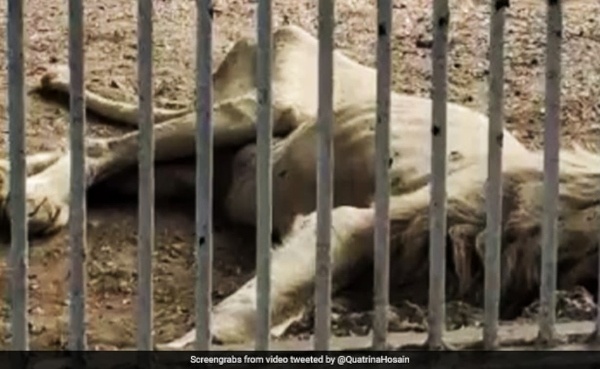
295, 103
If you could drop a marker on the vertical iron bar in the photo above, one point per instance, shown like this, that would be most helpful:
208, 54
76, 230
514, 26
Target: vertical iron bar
437, 248
324, 177
204, 174
382, 178
494, 183
77, 209
547, 317
146, 177
263, 176
19, 247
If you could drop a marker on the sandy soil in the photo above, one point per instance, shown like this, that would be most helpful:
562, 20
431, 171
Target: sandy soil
111, 68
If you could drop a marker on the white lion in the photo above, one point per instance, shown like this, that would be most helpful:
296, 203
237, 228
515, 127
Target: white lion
294, 181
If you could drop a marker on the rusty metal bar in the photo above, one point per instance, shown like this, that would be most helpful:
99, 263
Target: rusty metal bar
19, 246
547, 318
77, 209
146, 177
437, 248
381, 283
264, 176
325, 164
204, 174
494, 183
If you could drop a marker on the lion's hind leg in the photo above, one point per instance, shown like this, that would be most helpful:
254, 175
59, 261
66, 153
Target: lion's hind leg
293, 275
56, 79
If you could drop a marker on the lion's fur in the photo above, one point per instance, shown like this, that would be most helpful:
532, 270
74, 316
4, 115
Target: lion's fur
523, 209
295, 103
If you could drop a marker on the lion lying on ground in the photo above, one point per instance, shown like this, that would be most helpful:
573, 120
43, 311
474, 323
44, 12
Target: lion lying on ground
294, 182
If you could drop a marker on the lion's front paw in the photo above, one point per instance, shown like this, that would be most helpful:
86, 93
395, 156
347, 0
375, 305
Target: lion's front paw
44, 216
224, 332
55, 78
186, 342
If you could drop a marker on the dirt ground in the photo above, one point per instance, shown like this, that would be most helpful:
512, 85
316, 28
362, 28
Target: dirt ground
111, 68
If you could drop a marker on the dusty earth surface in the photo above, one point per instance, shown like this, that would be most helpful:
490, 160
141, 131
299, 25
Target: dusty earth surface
111, 68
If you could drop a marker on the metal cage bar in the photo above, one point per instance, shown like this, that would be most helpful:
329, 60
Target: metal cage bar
551, 175
204, 174
494, 183
264, 175
437, 248
382, 159
18, 260
146, 177
77, 208
324, 176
